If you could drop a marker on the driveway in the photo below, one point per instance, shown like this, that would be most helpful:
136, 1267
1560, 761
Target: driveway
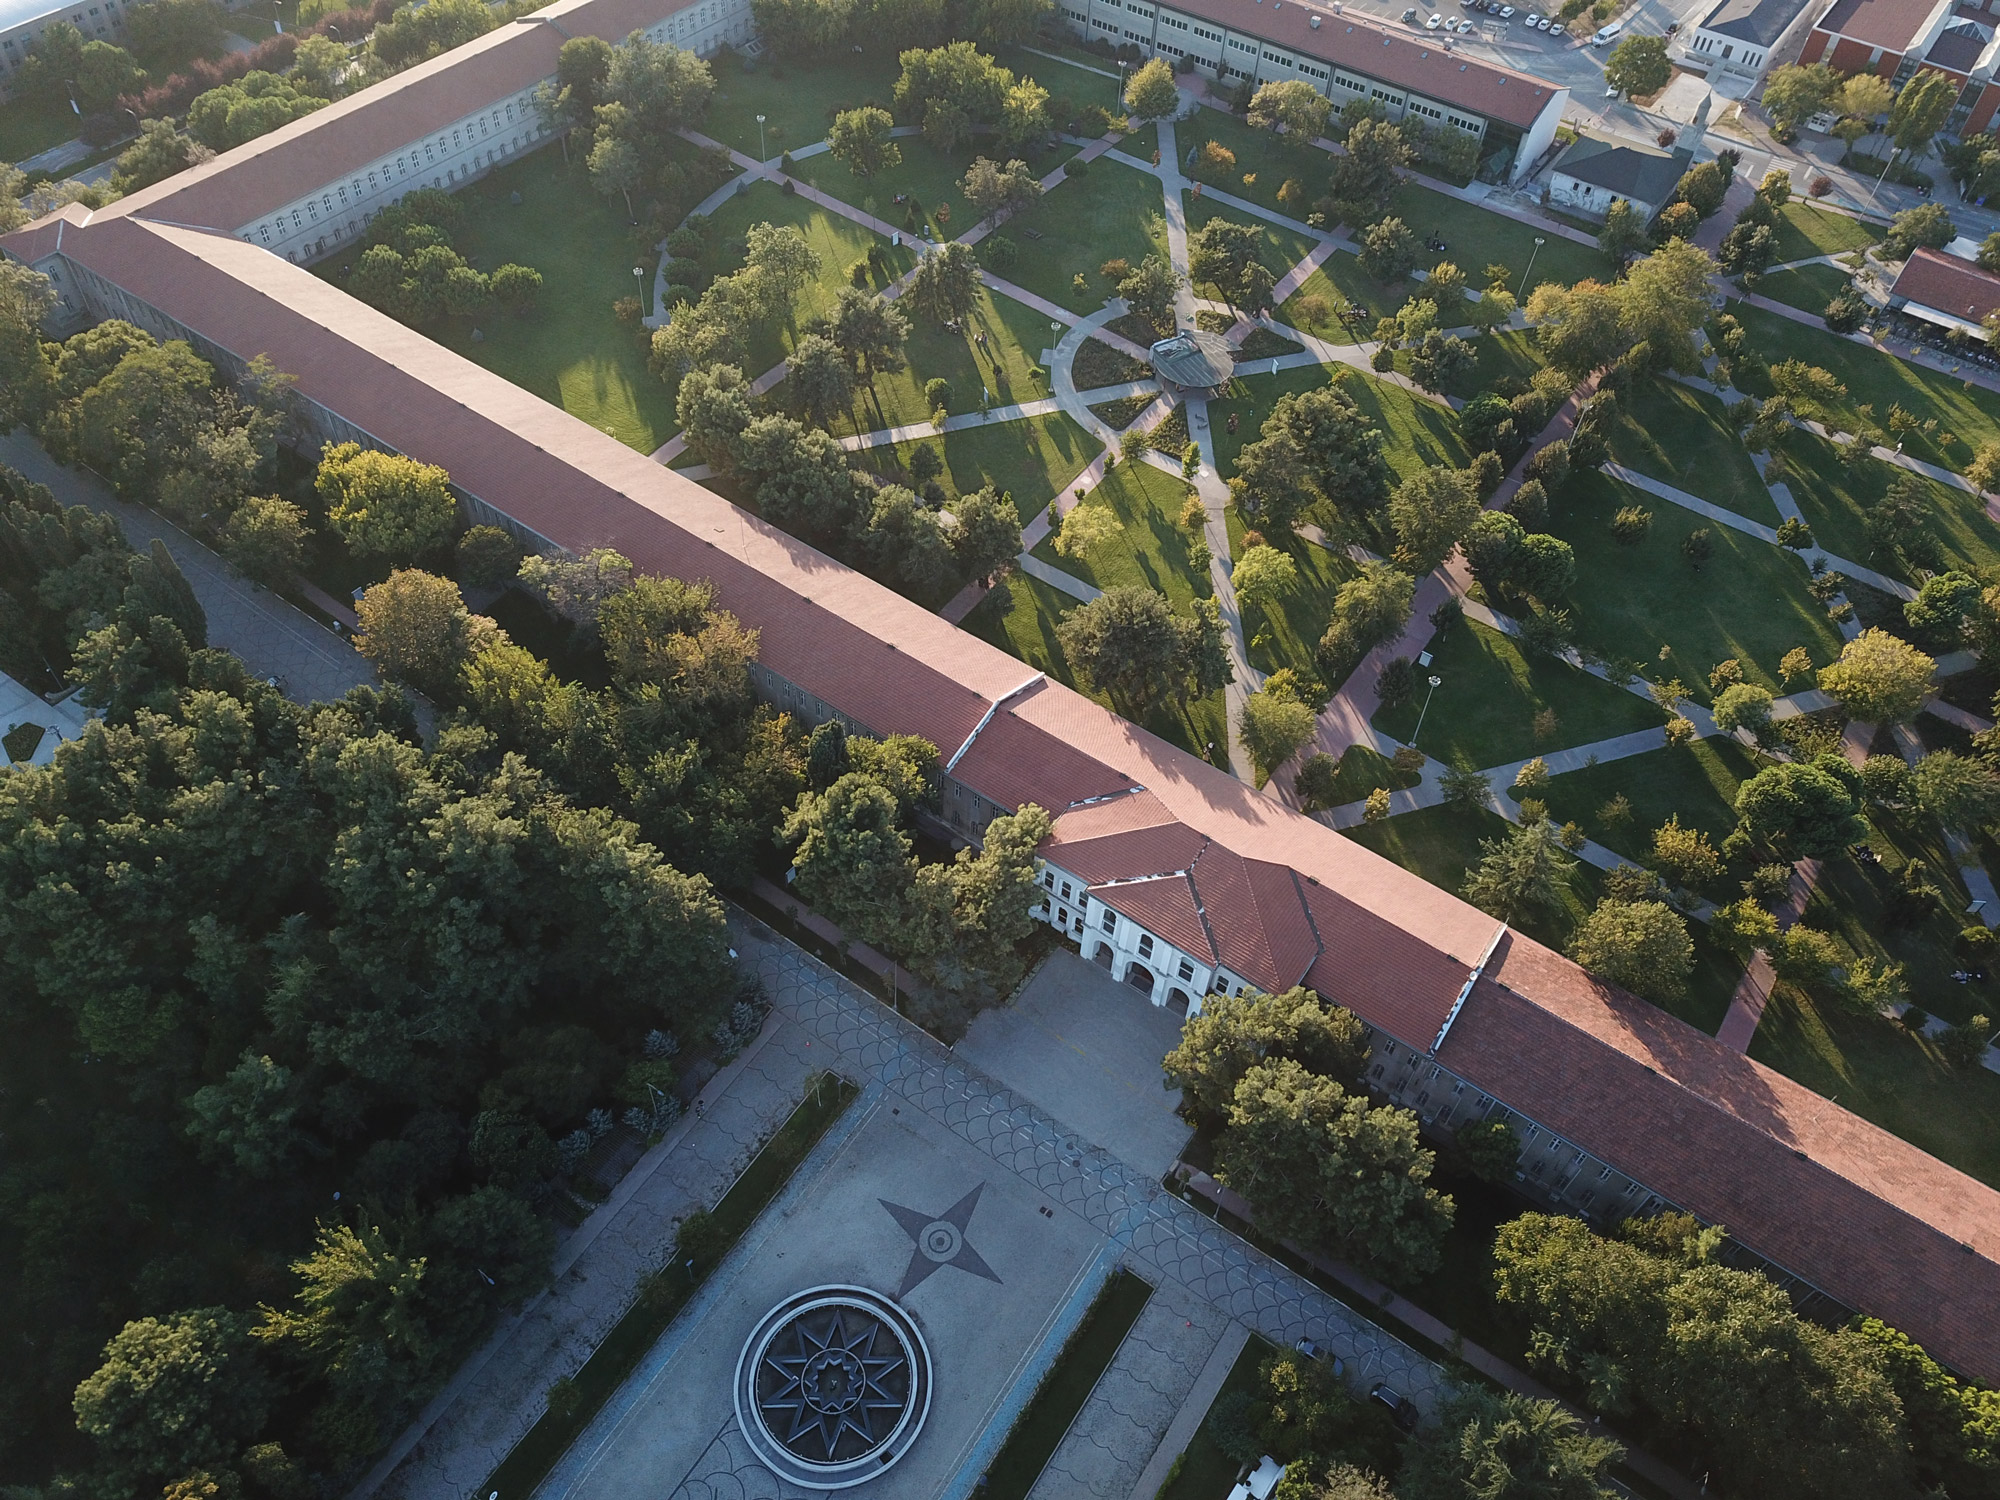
1087, 1049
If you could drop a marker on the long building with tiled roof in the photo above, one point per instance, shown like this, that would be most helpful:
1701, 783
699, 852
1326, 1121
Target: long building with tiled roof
1166, 869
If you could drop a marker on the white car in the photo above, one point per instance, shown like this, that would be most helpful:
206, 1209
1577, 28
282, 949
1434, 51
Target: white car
1532, 19
1434, 22
1464, 24
1544, 24
1506, 12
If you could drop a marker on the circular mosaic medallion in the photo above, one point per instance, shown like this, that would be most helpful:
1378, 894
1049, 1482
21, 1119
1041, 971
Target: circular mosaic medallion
833, 1386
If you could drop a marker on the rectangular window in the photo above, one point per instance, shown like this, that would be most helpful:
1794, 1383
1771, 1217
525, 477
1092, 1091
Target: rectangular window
1065, 890
1177, 25
1145, 945
1109, 922
1186, 971
1048, 880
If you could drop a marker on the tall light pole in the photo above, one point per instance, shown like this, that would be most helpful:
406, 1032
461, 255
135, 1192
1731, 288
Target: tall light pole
1426, 708
1539, 242
760, 138
1122, 65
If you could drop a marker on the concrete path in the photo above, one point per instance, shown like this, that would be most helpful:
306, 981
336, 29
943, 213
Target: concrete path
1208, 1383
273, 638
1057, 578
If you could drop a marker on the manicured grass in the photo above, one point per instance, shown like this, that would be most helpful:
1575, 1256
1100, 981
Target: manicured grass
1696, 783
1509, 355
1834, 498
1476, 238
1039, 1430
1748, 601
571, 350
1020, 616
1680, 436
1483, 712
1969, 414
1808, 288
1340, 280
1153, 552
932, 177
798, 103
1281, 248
1269, 158
28, 127
1361, 769
1888, 1076
1285, 634
1203, 1471
1032, 459
1007, 365
837, 241
669, 1289
1416, 433
1805, 230
1112, 213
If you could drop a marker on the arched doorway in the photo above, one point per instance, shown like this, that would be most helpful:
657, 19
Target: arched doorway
1179, 997
1140, 978
1102, 957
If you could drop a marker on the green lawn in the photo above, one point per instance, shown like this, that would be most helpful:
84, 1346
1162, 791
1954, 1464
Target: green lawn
1888, 1076
1834, 498
571, 350
1969, 414
1477, 238
1032, 459
839, 243
1340, 280
1281, 248
1749, 601
1006, 366
1285, 635
1416, 433
28, 127
1680, 436
1808, 288
1267, 158
930, 176
1020, 616
1805, 230
1695, 782
1154, 550
1483, 712
1112, 213
1508, 355
1361, 769
798, 103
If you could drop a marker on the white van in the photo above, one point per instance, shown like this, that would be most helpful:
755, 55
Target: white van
1608, 35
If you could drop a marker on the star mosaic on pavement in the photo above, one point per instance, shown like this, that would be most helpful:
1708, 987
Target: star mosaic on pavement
940, 1241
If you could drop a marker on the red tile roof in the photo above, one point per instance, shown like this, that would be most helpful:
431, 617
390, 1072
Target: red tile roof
1948, 284
1136, 854
1412, 60
1165, 906
1889, 24
1259, 918
1381, 972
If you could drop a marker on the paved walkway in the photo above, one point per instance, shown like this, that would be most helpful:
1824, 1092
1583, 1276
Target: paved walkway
273, 638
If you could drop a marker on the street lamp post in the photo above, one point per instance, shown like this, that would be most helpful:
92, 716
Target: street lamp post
1539, 242
1122, 65
760, 138
1426, 709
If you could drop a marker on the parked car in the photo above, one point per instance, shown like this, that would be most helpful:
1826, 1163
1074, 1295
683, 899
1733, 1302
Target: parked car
1313, 1351
1410, 16
1545, 24
1558, 31
1401, 1409
1532, 19
1506, 12
1608, 34
1434, 22
1464, 24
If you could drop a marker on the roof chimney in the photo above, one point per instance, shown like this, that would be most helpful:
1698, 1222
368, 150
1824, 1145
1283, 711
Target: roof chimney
1313, 21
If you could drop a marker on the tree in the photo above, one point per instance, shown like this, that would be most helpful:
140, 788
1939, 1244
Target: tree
1665, 298
871, 331
385, 505
1624, 232
1222, 252
1374, 605
991, 897
1523, 868
1024, 117
1388, 250
1802, 808
992, 188
1441, 360
1365, 180
1865, 97
1275, 726
1747, 250
1794, 94
1879, 678
1150, 93
1638, 66
820, 379
860, 140
1642, 945
1961, 792
853, 859
1685, 853
945, 284
1742, 705
713, 407
160, 151
1501, 1445
416, 629
1926, 225
1151, 289
1492, 1148
802, 479
1579, 328
1432, 512
1272, 485
253, 105
1939, 613
988, 534
265, 539
1292, 105
1921, 108
174, 1394
1261, 574
1232, 1033
1088, 531
1323, 1168
947, 90
1125, 644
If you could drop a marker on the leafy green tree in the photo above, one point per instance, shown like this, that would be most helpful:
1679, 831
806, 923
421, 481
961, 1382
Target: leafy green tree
1879, 678
1124, 643
1440, 360
1150, 291
1432, 512
1388, 249
1323, 1168
265, 540
1363, 184
871, 331
1939, 612
853, 859
1642, 945
1961, 792
174, 1394
994, 188
1501, 1445
248, 1119
1523, 868
1150, 93
385, 505
1272, 484
1927, 226
714, 409
987, 535
860, 140
417, 32
1921, 108
416, 629
990, 896
820, 379
1262, 574
1231, 1033
802, 479
1638, 65
1742, 705
948, 90
1024, 116
1275, 726
945, 284
1794, 94
1578, 328
1293, 105
1492, 1148
1221, 252
253, 105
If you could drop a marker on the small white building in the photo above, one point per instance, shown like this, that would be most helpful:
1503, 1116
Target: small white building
1742, 36
1593, 174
